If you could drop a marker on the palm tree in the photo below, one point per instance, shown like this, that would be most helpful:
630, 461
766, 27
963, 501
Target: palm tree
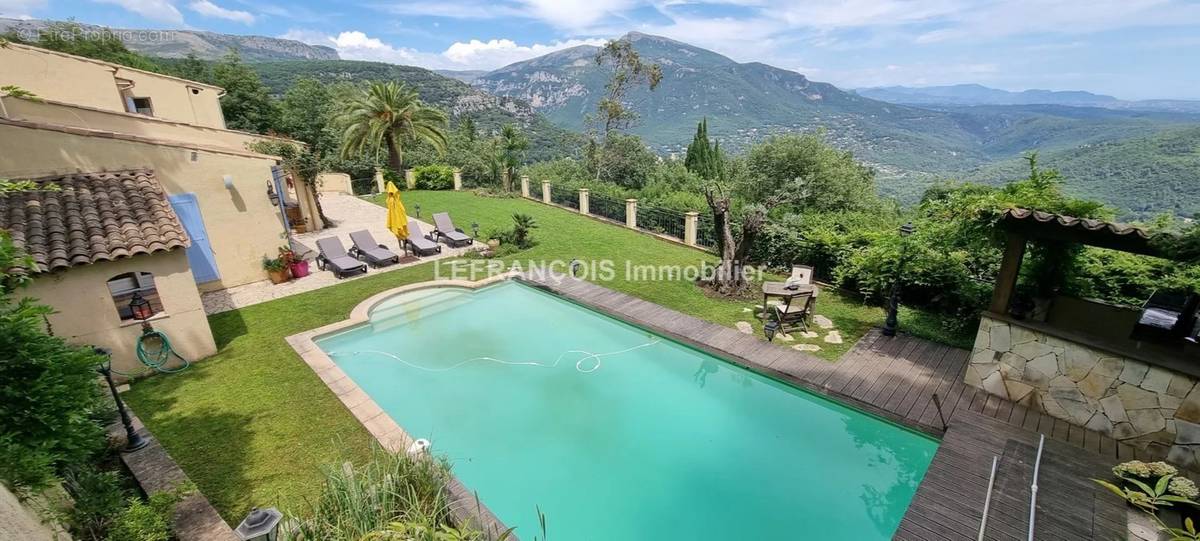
389, 114
512, 144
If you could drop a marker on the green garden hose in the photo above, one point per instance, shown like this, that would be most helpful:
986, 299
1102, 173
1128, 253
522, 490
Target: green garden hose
156, 357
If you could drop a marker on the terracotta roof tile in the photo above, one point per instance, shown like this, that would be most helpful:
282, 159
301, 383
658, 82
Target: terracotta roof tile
1078, 223
93, 217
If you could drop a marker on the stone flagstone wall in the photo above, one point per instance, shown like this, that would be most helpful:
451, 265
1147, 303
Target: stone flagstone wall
1146, 406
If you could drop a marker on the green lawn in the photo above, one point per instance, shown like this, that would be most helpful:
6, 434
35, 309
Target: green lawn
252, 424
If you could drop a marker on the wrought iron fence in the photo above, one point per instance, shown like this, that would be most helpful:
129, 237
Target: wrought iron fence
661, 220
567, 197
608, 207
706, 231
363, 186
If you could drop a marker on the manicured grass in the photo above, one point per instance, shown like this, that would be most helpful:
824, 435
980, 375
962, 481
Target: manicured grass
252, 424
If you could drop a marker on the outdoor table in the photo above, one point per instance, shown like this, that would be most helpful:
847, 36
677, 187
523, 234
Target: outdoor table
779, 289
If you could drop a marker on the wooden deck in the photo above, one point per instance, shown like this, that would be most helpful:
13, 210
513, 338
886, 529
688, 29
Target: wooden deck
898, 378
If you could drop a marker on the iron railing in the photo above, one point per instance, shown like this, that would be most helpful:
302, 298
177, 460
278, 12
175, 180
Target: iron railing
607, 207
567, 197
706, 232
661, 220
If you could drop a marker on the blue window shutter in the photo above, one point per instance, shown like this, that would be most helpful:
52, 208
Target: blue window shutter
200, 253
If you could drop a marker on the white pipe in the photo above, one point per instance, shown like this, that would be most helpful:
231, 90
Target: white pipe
1033, 489
987, 502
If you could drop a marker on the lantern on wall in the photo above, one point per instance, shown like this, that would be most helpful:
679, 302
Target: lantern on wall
140, 307
260, 525
274, 197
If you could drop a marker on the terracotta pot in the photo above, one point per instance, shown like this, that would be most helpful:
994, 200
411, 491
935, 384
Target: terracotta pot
299, 268
278, 276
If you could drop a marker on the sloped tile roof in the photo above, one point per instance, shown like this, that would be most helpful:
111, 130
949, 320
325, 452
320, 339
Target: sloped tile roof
93, 217
1076, 223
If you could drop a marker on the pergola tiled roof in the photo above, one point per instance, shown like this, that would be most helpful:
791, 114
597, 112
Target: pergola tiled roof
1038, 224
92, 217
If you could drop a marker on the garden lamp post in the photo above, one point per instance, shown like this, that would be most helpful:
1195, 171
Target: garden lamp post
417, 209
889, 325
475, 229
260, 525
133, 440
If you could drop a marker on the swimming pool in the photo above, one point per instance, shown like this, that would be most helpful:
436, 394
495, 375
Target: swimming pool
615, 432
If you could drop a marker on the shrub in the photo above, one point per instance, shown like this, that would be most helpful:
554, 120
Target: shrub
99, 499
355, 501
48, 395
146, 520
434, 177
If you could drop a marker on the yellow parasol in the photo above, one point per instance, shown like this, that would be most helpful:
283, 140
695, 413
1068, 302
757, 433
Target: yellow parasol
397, 217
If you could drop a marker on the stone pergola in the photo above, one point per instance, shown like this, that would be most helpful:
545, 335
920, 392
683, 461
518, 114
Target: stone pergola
1082, 363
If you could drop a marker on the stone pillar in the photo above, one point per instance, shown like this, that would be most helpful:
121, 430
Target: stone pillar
410, 179
631, 213
690, 219
379, 182
583, 201
546, 192
525, 186
457, 179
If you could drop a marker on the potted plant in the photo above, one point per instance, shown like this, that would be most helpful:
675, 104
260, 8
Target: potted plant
298, 267
277, 269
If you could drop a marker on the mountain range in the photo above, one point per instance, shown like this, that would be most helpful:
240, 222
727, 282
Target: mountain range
1142, 157
911, 146
179, 43
974, 94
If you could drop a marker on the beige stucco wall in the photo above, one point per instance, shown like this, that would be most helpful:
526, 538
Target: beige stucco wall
1142, 405
86, 314
335, 183
242, 224
64, 114
92, 83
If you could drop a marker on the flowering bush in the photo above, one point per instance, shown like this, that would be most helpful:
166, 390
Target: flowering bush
1183, 487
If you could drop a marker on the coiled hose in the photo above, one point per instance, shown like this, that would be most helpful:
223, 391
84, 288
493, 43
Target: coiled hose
156, 357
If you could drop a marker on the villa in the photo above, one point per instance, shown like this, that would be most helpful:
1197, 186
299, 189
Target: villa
630, 406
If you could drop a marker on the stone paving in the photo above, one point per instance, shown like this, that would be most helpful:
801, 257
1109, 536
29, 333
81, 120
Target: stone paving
350, 214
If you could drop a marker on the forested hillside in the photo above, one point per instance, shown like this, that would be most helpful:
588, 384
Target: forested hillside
490, 113
1142, 176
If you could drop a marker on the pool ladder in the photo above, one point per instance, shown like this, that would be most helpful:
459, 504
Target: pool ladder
1033, 490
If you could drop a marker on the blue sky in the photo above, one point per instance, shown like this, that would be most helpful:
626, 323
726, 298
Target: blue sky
1133, 49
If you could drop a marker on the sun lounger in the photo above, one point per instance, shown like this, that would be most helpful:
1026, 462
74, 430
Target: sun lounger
419, 243
333, 257
366, 249
444, 229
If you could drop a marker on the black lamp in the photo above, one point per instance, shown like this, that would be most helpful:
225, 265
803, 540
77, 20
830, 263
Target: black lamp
891, 323
140, 307
417, 208
260, 525
475, 229
133, 440
274, 197
770, 328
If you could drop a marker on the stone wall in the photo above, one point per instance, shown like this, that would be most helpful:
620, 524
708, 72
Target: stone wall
1146, 406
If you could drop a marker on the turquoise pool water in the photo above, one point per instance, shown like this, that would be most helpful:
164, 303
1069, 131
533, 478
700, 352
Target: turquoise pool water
617, 433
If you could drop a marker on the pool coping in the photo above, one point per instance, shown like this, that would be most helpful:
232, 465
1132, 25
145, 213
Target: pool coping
465, 505
744, 350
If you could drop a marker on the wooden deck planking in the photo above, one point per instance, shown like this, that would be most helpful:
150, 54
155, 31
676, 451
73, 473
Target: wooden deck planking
897, 377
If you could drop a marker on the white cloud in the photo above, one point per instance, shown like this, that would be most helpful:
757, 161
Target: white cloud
157, 10
209, 9
473, 54
20, 9
495, 53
